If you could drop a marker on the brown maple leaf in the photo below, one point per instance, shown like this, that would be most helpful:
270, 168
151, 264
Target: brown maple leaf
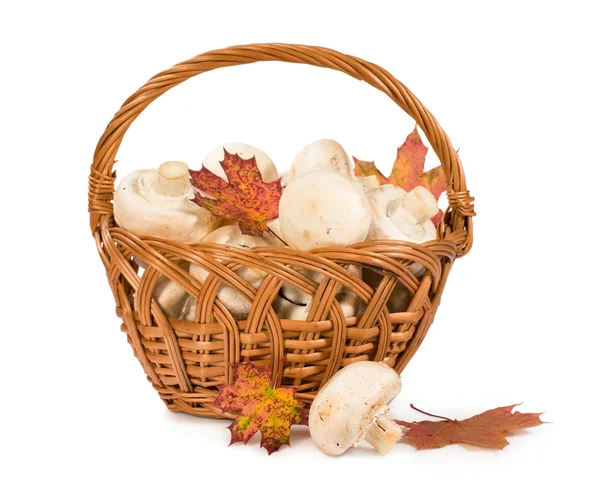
488, 429
245, 199
272, 411
408, 170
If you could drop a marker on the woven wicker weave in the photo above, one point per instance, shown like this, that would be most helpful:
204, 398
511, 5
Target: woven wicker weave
185, 361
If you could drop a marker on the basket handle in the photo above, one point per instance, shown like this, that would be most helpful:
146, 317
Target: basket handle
457, 222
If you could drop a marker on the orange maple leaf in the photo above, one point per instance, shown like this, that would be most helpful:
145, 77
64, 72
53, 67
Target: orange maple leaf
408, 170
488, 429
272, 411
245, 199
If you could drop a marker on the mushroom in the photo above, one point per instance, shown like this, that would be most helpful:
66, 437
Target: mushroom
399, 215
265, 165
237, 304
353, 405
294, 304
320, 155
157, 203
323, 208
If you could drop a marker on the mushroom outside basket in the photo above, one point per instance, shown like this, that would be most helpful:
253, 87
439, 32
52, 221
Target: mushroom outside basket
187, 361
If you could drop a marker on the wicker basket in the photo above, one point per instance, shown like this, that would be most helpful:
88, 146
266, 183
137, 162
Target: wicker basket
186, 362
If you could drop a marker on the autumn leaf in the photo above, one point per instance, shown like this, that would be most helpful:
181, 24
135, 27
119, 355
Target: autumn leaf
245, 199
488, 429
272, 411
408, 170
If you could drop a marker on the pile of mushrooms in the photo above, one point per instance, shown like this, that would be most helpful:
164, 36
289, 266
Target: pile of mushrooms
323, 204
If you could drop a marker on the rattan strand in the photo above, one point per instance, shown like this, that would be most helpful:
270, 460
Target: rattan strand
187, 361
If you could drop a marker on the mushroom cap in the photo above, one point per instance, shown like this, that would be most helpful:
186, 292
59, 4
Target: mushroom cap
237, 304
321, 155
141, 210
349, 403
392, 221
265, 165
323, 208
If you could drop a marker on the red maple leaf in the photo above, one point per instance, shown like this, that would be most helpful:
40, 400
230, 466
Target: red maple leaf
272, 411
245, 199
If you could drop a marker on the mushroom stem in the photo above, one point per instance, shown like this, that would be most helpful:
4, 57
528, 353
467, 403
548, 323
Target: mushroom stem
173, 179
421, 204
383, 433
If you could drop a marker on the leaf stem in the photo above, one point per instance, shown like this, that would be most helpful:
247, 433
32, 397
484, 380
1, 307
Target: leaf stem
278, 237
430, 414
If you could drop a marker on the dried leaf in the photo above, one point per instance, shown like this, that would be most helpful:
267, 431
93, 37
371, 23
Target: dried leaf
408, 170
272, 411
245, 199
488, 429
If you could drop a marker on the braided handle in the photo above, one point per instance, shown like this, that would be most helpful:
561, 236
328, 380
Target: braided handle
457, 220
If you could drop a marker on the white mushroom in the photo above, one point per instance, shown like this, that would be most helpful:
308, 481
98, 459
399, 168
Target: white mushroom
295, 304
321, 155
392, 219
237, 304
323, 208
353, 405
265, 165
399, 215
157, 203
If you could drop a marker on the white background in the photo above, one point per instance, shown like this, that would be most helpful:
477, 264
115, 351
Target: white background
515, 86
